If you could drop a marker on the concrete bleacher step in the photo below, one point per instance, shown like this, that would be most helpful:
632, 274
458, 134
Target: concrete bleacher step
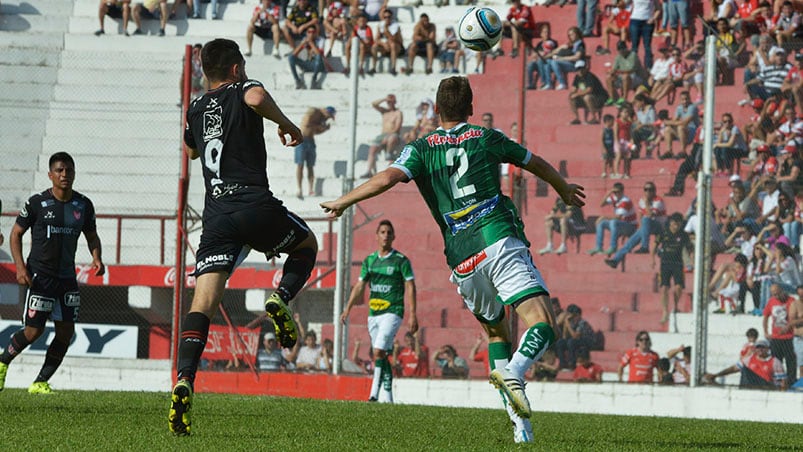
38, 40
38, 7
33, 22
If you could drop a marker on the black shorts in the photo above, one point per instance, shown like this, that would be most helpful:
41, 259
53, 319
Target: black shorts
264, 32
51, 298
421, 48
114, 11
267, 227
672, 271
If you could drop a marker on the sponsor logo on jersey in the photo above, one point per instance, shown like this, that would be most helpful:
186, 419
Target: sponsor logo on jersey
404, 155
459, 220
213, 123
49, 215
24, 211
76, 214
435, 139
72, 299
39, 303
381, 288
378, 304
52, 230
468, 266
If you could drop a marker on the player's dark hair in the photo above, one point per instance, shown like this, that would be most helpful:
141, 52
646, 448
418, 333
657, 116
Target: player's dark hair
386, 223
218, 56
454, 99
60, 157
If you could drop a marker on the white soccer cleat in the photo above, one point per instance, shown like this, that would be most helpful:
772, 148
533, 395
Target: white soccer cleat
513, 389
522, 428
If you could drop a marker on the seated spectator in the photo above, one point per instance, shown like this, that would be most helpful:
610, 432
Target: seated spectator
625, 75
681, 75
307, 358
563, 219
759, 59
193, 11
539, 59
412, 360
586, 371
563, 58
759, 370
425, 120
479, 354
741, 211
291, 354
659, 81
765, 192
451, 365
768, 82
388, 140
671, 243
784, 276
308, 56
729, 145
587, 93
664, 370
269, 357
727, 291
150, 9
730, 49
388, 42
324, 362
423, 44
371, 8
357, 365
786, 26
641, 361
302, 16
790, 170
366, 43
519, 26
335, 24
265, 24
644, 130
681, 364
790, 228
116, 9
621, 223
618, 25
546, 368
576, 334
652, 218
450, 53
682, 127
793, 83
623, 145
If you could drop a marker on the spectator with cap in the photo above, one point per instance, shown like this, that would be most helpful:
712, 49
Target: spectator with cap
269, 357
587, 93
315, 122
766, 166
625, 75
771, 77
759, 370
576, 334
652, 214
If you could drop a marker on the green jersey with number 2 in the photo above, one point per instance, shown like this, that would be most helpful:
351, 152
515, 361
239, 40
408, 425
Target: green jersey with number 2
457, 173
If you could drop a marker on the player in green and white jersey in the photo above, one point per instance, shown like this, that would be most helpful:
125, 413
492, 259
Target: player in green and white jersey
390, 277
456, 168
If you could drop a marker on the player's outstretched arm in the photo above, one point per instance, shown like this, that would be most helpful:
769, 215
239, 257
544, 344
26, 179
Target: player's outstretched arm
572, 194
261, 102
376, 185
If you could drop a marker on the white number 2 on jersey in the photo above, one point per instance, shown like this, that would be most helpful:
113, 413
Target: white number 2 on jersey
457, 156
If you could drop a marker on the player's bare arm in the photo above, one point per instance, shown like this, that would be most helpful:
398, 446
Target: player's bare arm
356, 294
93, 242
263, 104
572, 194
23, 277
409, 294
380, 183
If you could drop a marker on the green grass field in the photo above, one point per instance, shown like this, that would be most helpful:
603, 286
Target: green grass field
82, 420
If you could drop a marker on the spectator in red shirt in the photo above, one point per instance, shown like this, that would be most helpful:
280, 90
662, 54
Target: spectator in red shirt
622, 222
412, 360
366, 42
618, 25
480, 356
587, 371
780, 332
760, 370
520, 26
641, 361
750, 346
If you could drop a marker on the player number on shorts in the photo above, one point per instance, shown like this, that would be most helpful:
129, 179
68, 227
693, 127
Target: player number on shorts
457, 156
212, 154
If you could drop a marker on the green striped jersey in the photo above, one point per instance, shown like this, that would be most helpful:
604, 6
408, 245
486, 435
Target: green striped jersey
386, 276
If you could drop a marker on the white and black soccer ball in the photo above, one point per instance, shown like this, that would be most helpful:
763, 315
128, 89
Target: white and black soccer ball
479, 28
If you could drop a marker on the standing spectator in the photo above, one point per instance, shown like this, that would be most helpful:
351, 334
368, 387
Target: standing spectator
652, 218
335, 24
150, 9
586, 370
564, 57
269, 357
116, 9
308, 56
641, 361
608, 139
622, 222
625, 75
450, 53
49, 272
366, 43
729, 146
564, 219
539, 60
265, 24
682, 127
690, 164
576, 334
587, 93
587, 16
388, 42
389, 139
678, 12
302, 16
681, 365
670, 243
423, 44
412, 360
618, 25
519, 26
623, 145
479, 354
391, 283
314, 122
642, 25
324, 362
451, 365
307, 358
759, 370
796, 324
779, 331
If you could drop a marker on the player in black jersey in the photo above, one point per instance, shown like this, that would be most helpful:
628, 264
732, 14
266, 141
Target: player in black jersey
224, 129
56, 218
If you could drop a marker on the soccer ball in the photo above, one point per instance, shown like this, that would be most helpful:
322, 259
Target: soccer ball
479, 28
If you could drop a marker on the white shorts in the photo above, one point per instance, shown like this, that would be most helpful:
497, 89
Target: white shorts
383, 328
499, 275
797, 342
